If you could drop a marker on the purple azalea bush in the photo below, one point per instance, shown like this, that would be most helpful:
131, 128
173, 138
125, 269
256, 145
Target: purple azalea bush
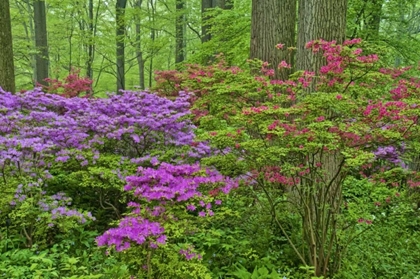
40, 132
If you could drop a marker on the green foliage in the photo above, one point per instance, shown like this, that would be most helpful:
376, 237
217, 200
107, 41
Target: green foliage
232, 40
389, 247
389, 28
75, 256
297, 150
261, 272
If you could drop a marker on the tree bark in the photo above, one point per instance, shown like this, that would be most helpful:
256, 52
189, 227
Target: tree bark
120, 45
273, 22
90, 47
367, 19
319, 19
226, 4
7, 69
41, 42
205, 27
180, 37
152, 19
139, 52
374, 20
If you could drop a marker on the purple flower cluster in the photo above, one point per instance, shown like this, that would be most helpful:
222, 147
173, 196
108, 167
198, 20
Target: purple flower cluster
55, 204
37, 129
133, 229
175, 183
171, 182
190, 254
391, 154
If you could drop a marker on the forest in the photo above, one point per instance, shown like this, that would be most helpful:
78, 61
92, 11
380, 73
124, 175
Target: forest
200, 139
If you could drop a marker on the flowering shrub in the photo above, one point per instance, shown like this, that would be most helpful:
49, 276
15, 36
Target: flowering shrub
72, 86
305, 137
166, 185
66, 142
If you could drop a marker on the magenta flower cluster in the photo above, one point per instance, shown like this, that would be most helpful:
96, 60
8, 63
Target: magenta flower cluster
189, 254
167, 183
170, 182
135, 229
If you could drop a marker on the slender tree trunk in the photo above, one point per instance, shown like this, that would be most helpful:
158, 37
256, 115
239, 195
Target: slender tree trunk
120, 45
152, 11
139, 53
273, 22
7, 69
226, 4
90, 46
319, 19
374, 20
70, 42
151, 62
23, 10
205, 27
41, 42
400, 32
180, 37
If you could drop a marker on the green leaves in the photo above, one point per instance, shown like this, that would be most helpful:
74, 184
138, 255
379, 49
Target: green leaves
258, 273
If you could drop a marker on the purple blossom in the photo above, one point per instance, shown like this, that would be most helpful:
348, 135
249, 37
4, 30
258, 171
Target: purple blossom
131, 229
391, 154
191, 207
202, 214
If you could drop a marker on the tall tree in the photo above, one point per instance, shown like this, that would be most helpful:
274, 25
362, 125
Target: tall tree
41, 42
373, 19
319, 19
7, 69
226, 4
151, 9
138, 45
366, 18
273, 22
120, 45
180, 36
205, 26
91, 44
321, 204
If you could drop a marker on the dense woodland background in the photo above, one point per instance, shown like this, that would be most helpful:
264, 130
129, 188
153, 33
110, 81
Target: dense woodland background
126, 41
295, 156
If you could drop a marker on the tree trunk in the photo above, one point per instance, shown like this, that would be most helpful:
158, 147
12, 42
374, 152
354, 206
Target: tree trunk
41, 42
120, 46
367, 19
273, 22
152, 14
7, 69
319, 19
139, 52
374, 19
180, 37
205, 27
90, 47
226, 4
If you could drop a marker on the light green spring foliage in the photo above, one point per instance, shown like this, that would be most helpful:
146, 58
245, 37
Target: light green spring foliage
74, 256
69, 36
236, 110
